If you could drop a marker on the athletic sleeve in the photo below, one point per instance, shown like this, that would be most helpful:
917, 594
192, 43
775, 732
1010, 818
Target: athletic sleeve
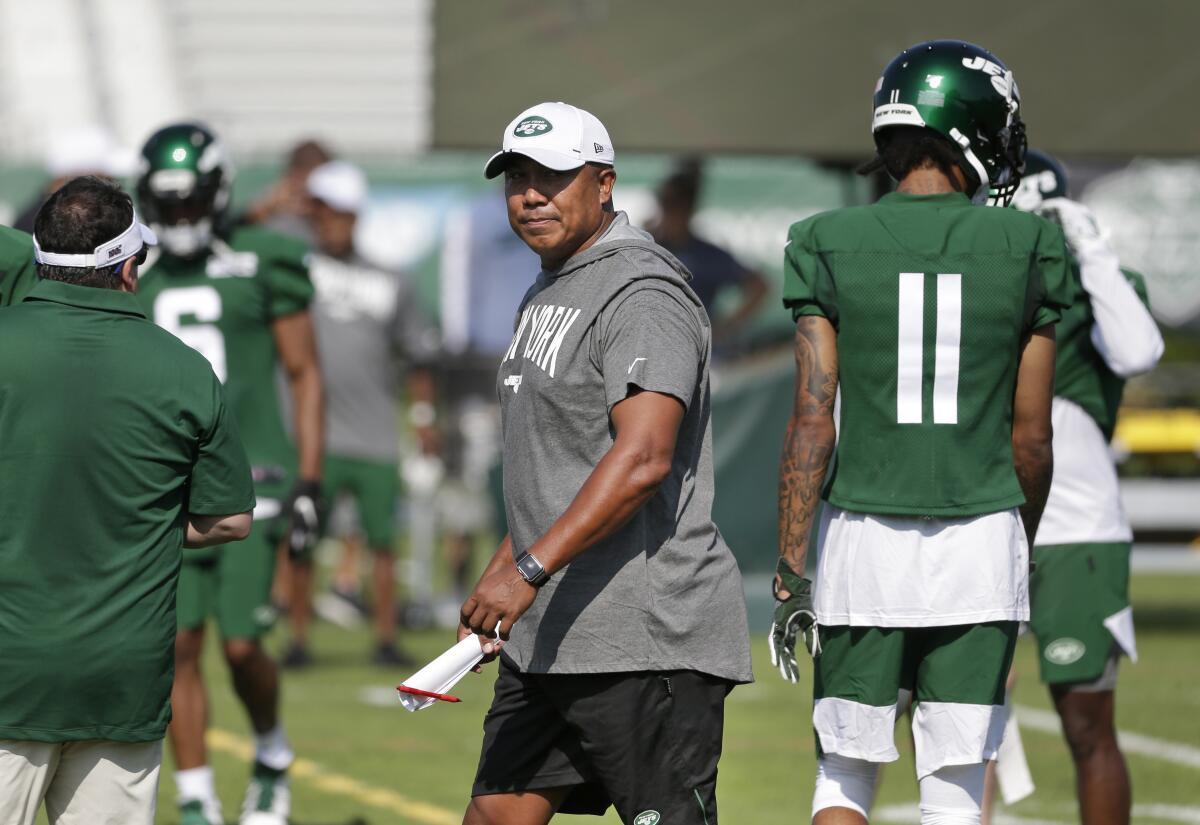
1124, 333
289, 287
650, 339
808, 287
1051, 277
220, 483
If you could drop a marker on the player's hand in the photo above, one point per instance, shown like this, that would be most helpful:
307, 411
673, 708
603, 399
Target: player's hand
793, 615
302, 511
1085, 237
499, 599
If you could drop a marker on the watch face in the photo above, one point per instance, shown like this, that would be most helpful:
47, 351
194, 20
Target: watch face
531, 569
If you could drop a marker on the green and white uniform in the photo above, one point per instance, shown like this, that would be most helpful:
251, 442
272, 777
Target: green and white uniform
222, 304
922, 568
366, 320
1080, 588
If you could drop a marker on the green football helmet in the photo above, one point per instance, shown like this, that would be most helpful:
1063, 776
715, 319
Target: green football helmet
183, 187
1044, 178
966, 94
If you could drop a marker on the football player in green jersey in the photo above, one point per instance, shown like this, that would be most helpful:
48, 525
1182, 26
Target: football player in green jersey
932, 319
1079, 590
241, 298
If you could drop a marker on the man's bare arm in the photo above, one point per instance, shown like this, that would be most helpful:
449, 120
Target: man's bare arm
646, 424
1032, 432
205, 531
297, 345
808, 444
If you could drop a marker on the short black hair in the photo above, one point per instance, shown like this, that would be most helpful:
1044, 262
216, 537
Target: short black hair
681, 189
904, 149
84, 213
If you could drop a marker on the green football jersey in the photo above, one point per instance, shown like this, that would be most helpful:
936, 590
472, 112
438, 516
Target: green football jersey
931, 298
1080, 374
222, 305
18, 271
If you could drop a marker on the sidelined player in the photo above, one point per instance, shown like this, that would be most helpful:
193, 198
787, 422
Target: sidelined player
1079, 590
241, 300
934, 318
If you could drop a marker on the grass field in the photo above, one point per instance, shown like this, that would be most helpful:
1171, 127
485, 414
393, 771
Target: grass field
365, 761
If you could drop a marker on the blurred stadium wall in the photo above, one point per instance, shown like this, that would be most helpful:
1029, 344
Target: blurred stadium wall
775, 94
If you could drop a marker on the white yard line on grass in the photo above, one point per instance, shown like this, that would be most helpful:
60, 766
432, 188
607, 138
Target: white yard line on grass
338, 784
910, 813
1148, 746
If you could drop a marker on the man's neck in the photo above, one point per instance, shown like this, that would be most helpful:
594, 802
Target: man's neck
606, 219
928, 180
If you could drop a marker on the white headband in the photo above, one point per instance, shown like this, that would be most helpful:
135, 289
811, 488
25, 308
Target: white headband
111, 253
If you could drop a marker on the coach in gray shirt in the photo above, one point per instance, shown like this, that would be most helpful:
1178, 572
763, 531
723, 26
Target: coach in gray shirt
620, 605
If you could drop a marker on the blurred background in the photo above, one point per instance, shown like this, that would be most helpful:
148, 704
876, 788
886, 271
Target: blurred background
735, 118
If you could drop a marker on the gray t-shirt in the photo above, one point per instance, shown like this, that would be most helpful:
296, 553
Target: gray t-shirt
366, 318
664, 592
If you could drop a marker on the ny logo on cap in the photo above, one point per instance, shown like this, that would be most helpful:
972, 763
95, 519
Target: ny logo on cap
531, 126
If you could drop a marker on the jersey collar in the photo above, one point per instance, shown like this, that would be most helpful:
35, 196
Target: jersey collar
86, 297
943, 199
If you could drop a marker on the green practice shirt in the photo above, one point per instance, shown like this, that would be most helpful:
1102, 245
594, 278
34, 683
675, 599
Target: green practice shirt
18, 272
932, 298
111, 432
1080, 373
222, 304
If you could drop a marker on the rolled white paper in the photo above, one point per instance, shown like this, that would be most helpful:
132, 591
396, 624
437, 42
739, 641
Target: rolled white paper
442, 674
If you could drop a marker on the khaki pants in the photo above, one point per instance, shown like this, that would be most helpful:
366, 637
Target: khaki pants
82, 783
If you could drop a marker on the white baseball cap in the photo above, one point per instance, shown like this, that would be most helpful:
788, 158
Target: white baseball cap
556, 135
110, 253
341, 185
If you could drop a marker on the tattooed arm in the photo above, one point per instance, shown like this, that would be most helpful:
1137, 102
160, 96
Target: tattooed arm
810, 437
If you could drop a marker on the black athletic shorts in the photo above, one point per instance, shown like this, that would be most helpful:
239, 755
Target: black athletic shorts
645, 742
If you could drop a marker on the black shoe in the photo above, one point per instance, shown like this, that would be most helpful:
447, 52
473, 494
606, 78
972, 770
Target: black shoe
296, 657
388, 655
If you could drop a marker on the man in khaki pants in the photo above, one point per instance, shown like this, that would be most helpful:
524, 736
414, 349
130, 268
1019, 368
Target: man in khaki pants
116, 451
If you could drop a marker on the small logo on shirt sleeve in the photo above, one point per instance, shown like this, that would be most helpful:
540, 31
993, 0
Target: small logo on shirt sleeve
513, 381
634, 364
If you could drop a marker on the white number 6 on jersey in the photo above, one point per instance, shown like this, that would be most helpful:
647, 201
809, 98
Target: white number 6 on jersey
204, 304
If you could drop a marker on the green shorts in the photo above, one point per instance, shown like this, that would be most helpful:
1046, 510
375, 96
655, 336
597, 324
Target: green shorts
234, 585
374, 486
1073, 590
956, 674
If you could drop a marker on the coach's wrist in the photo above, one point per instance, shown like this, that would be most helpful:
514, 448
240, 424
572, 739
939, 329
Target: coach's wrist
531, 570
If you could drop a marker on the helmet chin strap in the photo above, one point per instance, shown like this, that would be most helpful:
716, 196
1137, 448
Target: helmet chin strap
185, 240
980, 195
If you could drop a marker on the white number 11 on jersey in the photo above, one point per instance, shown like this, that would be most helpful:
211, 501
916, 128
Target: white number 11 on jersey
910, 377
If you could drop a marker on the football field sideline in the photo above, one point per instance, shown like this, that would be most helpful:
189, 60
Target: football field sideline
339, 784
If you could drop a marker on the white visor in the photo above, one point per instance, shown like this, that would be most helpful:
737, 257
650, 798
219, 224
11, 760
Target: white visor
110, 253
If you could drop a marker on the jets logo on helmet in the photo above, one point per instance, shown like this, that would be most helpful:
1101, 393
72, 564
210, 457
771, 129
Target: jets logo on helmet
1044, 178
183, 186
966, 94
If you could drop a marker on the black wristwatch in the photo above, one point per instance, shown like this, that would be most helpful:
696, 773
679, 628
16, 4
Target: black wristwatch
531, 570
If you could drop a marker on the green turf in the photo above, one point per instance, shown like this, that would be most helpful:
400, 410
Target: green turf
767, 768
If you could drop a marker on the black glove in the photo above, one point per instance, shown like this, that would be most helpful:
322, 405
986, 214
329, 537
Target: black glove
302, 512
